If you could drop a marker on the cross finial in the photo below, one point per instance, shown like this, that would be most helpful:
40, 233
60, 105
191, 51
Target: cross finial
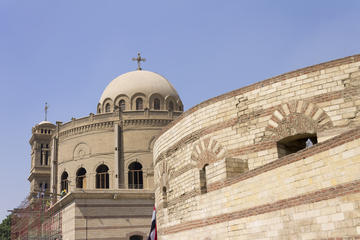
46, 109
139, 59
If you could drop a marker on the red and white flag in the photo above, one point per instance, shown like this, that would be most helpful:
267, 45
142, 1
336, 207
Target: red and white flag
153, 232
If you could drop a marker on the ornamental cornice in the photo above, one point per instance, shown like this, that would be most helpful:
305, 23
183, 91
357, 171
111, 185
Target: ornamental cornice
112, 194
146, 122
86, 128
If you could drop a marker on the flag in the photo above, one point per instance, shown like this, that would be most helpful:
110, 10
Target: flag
153, 232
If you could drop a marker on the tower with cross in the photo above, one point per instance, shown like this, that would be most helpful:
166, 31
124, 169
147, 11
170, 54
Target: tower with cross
139, 59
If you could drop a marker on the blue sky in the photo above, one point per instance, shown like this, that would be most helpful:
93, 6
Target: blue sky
66, 52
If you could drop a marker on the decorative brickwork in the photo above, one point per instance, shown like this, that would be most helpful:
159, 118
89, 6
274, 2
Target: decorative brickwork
164, 173
243, 120
194, 137
207, 151
296, 117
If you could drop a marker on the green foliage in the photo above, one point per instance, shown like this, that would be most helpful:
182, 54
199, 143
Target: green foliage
5, 228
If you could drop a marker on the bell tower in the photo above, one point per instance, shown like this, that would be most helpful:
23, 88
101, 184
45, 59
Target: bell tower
40, 170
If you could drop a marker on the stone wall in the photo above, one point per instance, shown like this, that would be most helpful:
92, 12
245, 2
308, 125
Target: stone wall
86, 151
218, 174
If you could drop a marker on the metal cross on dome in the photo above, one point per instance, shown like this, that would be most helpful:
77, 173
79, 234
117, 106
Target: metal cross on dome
139, 59
46, 110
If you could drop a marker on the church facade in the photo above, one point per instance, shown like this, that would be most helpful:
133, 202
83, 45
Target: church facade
279, 159
98, 170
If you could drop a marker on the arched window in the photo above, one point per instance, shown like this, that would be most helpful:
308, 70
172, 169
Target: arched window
64, 182
42, 154
135, 176
203, 185
180, 108
42, 189
107, 107
139, 104
122, 105
171, 106
102, 177
81, 178
46, 151
136, 237
294, 143
164, 195
46, 157
99, 110
157, 104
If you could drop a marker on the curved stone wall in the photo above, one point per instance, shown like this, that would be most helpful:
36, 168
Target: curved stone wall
225, 155
114, 139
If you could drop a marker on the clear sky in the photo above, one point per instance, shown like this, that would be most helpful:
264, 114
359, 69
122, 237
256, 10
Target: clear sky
66, 52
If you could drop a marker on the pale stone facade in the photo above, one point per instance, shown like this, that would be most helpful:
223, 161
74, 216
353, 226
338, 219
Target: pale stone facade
279, 159
41, 157
99, 168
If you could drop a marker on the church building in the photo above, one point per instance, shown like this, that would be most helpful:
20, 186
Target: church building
98, 169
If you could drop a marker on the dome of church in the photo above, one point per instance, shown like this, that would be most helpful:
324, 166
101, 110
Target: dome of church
139, 90
138, 82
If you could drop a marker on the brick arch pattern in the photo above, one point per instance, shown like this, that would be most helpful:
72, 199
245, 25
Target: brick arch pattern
206, 151
164, 173
296, 117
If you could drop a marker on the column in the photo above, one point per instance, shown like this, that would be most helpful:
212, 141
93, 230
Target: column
119, 165
53, 179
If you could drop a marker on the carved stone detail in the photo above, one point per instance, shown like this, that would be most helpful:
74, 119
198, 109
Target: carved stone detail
81, 151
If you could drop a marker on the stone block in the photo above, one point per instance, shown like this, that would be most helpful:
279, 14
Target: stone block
327, 226
337, 217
